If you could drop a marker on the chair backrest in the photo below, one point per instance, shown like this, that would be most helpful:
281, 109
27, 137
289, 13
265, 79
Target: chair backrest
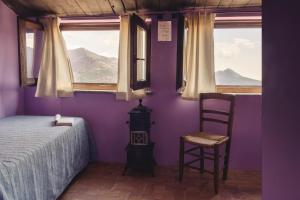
218, 113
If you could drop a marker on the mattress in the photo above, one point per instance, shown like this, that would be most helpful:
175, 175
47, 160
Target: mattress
38, 160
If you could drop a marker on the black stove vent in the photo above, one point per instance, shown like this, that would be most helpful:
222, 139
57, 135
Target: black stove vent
139, 125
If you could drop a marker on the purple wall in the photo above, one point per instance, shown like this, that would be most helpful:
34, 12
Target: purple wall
11, 96
173, 116
281, 100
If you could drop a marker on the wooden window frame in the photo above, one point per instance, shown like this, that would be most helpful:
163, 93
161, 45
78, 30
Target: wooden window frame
90, 26
236, 23
239, 89
23, 26
219, 24
90, 87
180, 49
134, 83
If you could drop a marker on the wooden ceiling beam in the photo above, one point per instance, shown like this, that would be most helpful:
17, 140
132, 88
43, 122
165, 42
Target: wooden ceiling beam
81, 7
201, 3
225, 3
254, 2
124, 7
219, 3
237, 3
129, 5
136, 6
112, 7
67, 8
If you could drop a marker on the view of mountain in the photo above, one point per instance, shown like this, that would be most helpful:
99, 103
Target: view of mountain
89, 67
230, 77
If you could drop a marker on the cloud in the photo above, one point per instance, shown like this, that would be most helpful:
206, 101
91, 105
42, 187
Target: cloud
104, 43
229, 49
244, 42
30, 40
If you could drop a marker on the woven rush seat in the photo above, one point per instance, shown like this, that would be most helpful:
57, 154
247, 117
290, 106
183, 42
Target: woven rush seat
205, 139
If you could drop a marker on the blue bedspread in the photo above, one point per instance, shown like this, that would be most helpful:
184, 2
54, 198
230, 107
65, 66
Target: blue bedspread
38, 160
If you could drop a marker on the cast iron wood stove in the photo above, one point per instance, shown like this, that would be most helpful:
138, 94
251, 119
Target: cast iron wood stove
140, 148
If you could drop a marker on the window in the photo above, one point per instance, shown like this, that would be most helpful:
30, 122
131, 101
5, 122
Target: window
93, 47
29, 32
237, 43
238, 53
30, 43
140, 53
238, 58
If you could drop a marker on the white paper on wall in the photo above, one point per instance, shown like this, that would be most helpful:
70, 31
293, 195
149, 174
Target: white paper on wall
164, 31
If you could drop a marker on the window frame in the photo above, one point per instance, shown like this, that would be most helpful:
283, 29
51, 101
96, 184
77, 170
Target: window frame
219, 24
83, 25
134, 22
180, 49
23, 26
230, 24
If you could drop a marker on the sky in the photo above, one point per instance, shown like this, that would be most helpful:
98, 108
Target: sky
237, 48
240, 50
104, 43
30, 40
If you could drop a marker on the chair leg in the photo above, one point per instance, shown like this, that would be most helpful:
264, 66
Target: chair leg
226, 161
201, 160
216, 168
181, 158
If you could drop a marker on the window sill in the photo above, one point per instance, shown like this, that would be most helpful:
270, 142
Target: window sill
100, 88
247, 90
94, 91
95, 87
238, 90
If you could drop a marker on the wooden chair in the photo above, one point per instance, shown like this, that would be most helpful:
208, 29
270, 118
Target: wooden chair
203, 140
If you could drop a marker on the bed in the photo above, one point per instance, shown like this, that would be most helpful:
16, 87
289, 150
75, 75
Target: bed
38, 160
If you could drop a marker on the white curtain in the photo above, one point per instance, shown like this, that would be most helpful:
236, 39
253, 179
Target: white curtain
198, 61
55, 76
124, 92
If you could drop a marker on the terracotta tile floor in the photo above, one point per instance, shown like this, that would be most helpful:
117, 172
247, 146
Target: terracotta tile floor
105, 182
